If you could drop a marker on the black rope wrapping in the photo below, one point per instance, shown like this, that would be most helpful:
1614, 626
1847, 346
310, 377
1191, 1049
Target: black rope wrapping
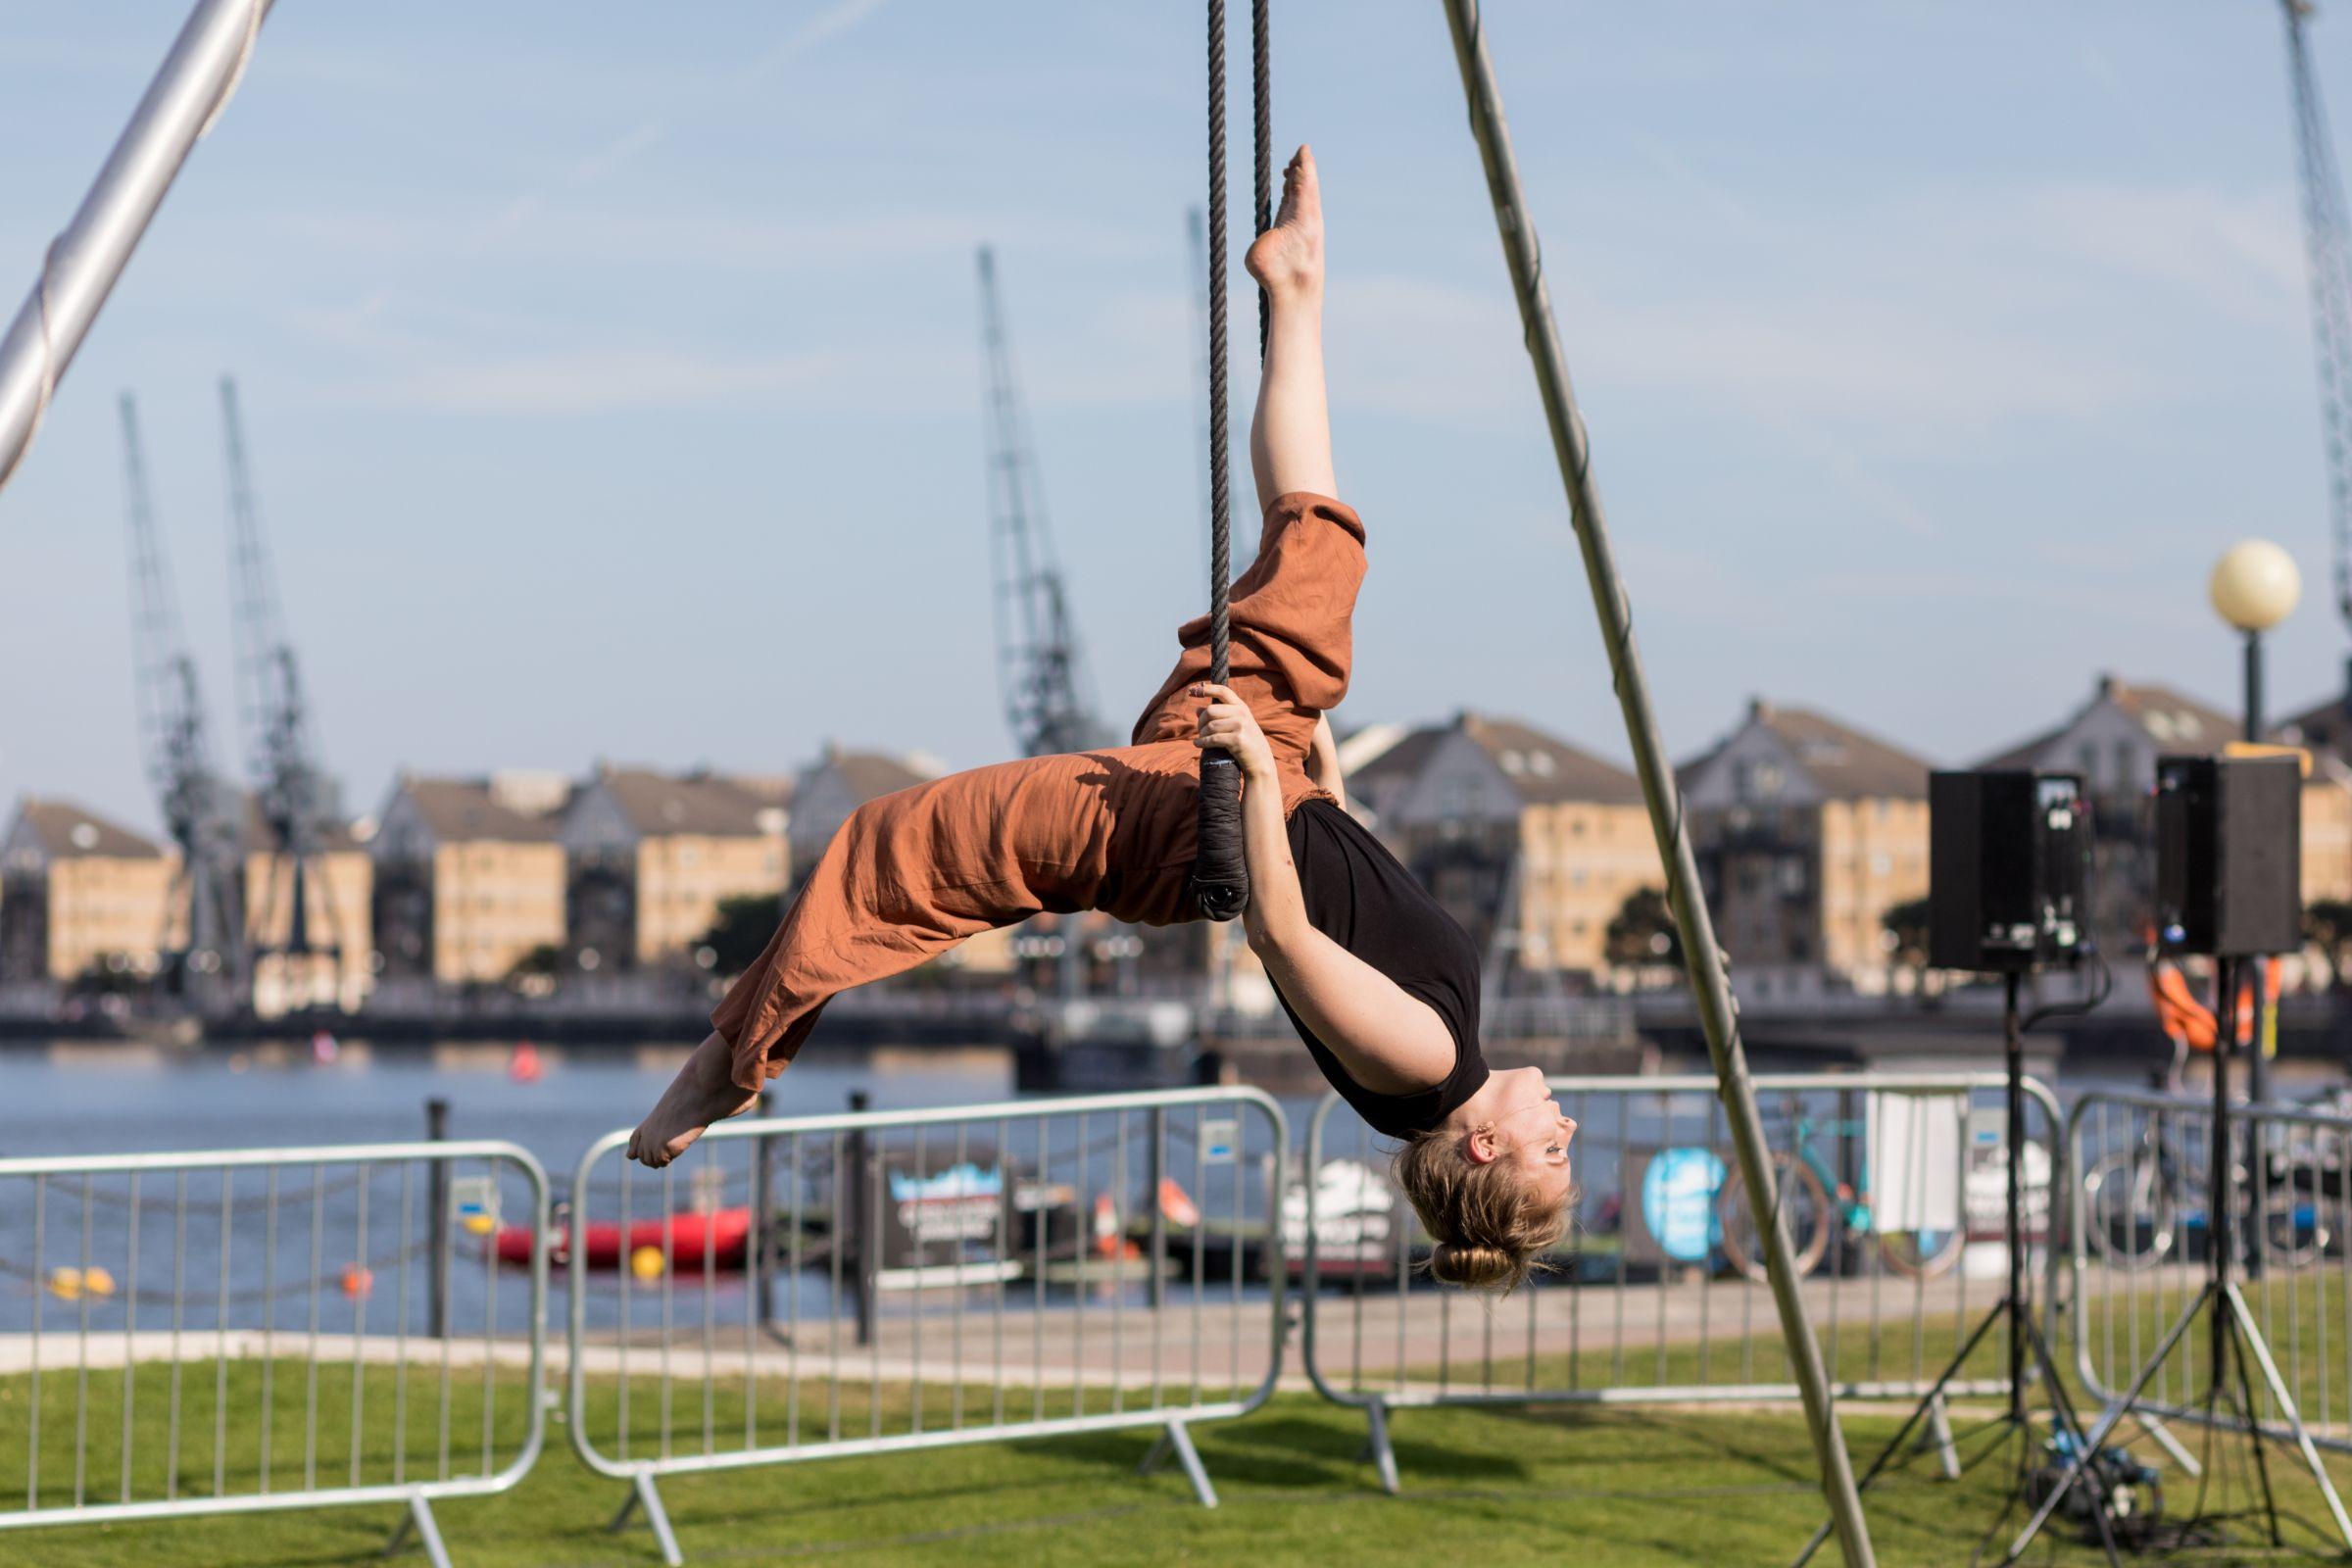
1220, 880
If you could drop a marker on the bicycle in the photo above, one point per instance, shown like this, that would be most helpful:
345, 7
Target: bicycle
1806, 1179
2142, 1201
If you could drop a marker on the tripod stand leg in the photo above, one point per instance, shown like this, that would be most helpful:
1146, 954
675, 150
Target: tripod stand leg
2162, 1436
2251, 1339
2064, 1418
1929, 1409
2108, 1420
1938, 1436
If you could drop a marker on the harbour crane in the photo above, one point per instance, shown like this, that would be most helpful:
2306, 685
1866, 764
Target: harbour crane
202, 943
294, 799
2327, 237
1040, 672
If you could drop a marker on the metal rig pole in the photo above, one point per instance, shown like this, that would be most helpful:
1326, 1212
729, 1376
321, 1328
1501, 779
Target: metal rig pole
188, 92
1708, 981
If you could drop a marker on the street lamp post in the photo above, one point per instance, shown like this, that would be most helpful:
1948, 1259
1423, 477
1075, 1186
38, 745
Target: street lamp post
2254, 587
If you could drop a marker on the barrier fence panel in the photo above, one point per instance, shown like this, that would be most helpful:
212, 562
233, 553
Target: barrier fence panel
1893, 1188
2143, 1214
186, 1333
821, 1287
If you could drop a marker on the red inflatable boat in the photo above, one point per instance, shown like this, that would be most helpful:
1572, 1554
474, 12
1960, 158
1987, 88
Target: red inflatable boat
722, 1236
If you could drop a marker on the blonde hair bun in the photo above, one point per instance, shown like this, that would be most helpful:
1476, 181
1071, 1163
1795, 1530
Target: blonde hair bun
1476, 1268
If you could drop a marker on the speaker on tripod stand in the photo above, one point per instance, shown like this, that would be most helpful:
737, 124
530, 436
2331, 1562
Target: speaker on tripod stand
2227, 886
2009, 855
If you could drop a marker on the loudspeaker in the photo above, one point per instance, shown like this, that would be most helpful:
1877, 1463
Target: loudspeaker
2229, 854
2008, 856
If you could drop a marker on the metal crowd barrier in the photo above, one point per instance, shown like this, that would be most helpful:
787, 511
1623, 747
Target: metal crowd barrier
292, 1328
1892, 1183
2141, 1214
821, 1287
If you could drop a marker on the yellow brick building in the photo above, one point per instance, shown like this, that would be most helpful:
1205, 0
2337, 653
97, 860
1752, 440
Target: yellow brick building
337, 890
1807, 831
80, 894
648, 857
470, 880
1530, 843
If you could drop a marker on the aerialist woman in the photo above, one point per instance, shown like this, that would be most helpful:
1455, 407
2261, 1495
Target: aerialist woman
1380, 984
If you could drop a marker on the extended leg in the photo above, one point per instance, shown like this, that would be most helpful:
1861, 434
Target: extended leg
1290, 434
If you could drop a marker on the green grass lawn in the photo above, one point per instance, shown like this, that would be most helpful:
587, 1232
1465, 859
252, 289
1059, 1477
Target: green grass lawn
1603, 1486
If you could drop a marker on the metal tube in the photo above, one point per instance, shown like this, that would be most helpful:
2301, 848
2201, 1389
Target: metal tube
189, 90
436, 1224
1709, 983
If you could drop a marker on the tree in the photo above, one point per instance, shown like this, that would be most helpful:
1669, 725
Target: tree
745, 923
1907, 924
1642, 931
2327, 926
544, 959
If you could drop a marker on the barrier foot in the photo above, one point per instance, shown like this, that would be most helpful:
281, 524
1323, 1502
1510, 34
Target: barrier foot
1378, 1449
642, 1495
2162, 1436
418, 1522
1179, 1442
1938, 1435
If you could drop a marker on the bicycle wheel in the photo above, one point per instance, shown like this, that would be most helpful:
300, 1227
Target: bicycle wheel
2131, 1210
1922, 1254
1803, 1202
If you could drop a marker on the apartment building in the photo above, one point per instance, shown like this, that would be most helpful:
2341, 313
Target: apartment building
1807, 831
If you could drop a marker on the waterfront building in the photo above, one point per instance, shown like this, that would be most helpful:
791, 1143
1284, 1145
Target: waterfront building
1531, 844
649, 857
836, 784
81, 897
2324, 730
470, 879
1806, 831
339, 927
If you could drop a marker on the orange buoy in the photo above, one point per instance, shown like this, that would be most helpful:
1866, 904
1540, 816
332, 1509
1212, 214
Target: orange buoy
524, 1066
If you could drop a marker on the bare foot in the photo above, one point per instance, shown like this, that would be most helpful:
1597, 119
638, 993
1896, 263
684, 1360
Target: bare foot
1288, 258
704, 1092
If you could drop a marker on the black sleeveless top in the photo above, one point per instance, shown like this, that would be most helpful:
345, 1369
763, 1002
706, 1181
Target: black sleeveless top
1359, 895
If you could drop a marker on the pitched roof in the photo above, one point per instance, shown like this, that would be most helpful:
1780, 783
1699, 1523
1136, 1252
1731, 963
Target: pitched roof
1546, 769
2324, 725
2170, 718
870, 775
461, 810
2174, 721
337, 838
66, 830
1843, 762
1401, 758
700, 804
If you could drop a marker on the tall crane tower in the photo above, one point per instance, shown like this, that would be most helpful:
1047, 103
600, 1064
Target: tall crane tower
202, 940
2326, 239
1039, 669
296, 804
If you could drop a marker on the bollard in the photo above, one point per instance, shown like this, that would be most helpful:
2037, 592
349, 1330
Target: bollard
763, 1218
436, 1130
865, 1217
1155, 1187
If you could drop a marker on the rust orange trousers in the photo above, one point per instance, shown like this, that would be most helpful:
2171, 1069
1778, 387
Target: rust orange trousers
912, 873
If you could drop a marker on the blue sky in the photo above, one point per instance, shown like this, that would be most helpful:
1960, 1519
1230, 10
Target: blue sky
612, 383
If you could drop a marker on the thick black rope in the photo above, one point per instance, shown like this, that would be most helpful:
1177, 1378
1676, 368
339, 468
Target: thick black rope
1261, 119
1221, 881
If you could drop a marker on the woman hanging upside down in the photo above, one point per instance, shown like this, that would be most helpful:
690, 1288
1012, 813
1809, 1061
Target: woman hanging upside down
1380, 982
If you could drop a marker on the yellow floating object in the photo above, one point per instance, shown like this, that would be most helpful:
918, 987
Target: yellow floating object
73, 1284
646, 1263
480, 1224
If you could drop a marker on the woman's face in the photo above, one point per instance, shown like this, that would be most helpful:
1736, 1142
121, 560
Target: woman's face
1530, 1129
